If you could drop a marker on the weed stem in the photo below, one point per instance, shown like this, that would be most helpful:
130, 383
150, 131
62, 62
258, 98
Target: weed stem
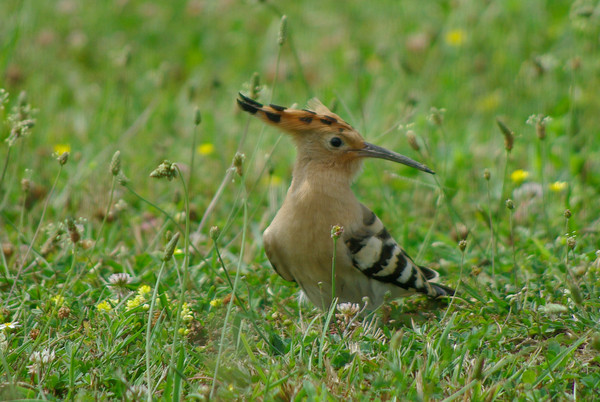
230, 304
110, 199
37, 231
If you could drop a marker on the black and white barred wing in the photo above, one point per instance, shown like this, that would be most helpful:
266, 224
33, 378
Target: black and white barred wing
377, 255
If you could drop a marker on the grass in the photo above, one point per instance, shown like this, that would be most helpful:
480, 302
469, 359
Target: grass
213, 320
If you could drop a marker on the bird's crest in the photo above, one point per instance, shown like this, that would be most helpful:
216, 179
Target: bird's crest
319, 119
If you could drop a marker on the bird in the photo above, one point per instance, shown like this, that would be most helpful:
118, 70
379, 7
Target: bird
369, 263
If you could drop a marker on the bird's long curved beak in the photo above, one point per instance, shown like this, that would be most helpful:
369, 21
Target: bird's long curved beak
374, 151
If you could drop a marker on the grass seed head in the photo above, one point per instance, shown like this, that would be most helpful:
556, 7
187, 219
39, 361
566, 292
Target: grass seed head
214, 233
238, 163
25, 185
540, 129
166, 170
282, 31
197, 117
539, 121
463, 231
412, 140
8, 249
63, 158
567, 213
571, 242
52, 242
115, 163
22, 99
336, 231
436, 116
487, 175
20, 119
575, 292
510, 204
254, 85
73, 231
478, 369
3, 98
553, 309
170, 247
396, 341
122, 179
509, 135
462, 245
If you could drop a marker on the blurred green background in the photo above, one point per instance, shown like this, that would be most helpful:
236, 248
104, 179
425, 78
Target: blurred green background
127, 75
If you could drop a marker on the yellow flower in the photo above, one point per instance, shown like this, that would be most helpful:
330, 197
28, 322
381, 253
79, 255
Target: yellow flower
205, 149
276, 180
135, 302
216, 302
272, 180
144, 290
104, 306
186, 314
490, 102
519, 176
558, 186
58, 300
456, 37
60, 149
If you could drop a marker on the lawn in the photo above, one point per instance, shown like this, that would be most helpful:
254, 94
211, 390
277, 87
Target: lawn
134, 194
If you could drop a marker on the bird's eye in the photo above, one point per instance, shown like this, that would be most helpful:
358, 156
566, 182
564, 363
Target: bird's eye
336, 142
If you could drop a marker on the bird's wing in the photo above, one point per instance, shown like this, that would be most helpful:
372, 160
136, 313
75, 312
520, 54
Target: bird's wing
377, 255
295, 120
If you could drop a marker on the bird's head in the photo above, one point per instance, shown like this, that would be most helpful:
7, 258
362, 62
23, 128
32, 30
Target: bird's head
322, 136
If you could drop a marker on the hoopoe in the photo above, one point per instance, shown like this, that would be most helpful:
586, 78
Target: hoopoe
369, 262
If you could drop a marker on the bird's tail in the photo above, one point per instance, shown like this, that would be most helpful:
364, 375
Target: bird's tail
438, 289
430, 274
442, 290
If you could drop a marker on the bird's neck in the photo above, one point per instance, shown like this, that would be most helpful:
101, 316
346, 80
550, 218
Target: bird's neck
321, 180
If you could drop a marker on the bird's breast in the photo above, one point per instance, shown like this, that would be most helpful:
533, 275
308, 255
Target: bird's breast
299, 245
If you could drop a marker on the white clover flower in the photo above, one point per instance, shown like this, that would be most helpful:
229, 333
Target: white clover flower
119, 280
44, 357
348, 309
